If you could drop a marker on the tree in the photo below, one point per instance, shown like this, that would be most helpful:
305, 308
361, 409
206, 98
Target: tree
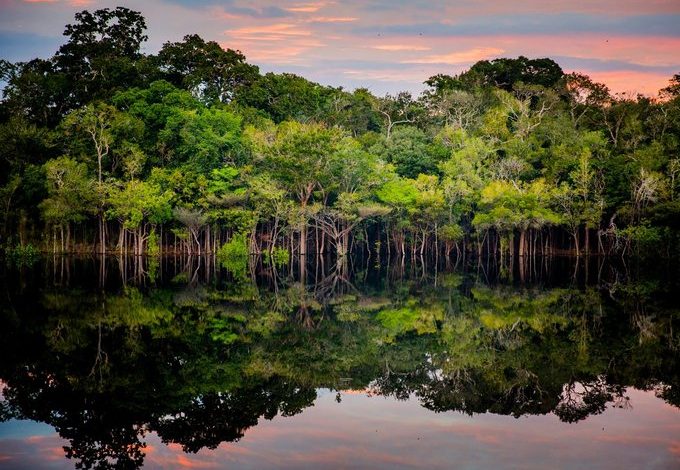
101, 53
507, 206
673, 89
139, 206
398, 109
356, 175
204, 139
400, 195
457, 108
194, 220
36, 91
98, 128
272, 205
410, 151
584, 96
287, 96
354, 112
72, 195
505, 73
210, 72
299, 155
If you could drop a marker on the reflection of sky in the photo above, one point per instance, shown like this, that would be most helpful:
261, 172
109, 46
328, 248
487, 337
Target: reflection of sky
379, 432
389, 45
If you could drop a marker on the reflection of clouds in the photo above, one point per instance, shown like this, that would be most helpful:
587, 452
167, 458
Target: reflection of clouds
33, 452
375, 432
382, 433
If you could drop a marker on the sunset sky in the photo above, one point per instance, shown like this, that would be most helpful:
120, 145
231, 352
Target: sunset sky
391, 45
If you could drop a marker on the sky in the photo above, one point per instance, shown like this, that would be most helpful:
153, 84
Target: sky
387, 46
380, 432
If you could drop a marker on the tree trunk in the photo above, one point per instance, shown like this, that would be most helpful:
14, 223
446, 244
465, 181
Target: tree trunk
576, 244
303, 239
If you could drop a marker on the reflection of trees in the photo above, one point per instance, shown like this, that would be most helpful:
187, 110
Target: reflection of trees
202, 363
582, 399
213, 418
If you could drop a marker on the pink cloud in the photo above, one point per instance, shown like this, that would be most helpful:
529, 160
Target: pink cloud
306, 7
460, 57
73, 3
627, 81
273, 31
400, 47
333, 19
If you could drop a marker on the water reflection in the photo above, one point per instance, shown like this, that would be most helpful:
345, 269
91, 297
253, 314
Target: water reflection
115, 352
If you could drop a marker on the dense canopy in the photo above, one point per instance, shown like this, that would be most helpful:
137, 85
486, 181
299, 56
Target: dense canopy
104, 148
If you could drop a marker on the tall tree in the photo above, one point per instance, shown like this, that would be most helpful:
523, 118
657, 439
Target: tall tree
102, 53
210, 72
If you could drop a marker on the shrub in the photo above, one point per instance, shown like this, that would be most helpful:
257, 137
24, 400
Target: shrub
233, 255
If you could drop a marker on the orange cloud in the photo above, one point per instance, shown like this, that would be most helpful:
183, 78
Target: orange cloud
263, 50
185, 462
627, 81
75, 3
675, 448
306, 7
396, 75
462, 57
278, 43
332, 19
400, 47
268, 32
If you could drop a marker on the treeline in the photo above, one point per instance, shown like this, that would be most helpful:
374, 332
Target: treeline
193, 150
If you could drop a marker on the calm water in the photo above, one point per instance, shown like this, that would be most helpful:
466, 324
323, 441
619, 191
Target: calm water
186, 364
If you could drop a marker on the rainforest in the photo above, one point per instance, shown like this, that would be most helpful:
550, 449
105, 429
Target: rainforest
191, 150
203, 265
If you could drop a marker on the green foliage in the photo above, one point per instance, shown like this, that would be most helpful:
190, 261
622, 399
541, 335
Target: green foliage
136, 202
452, 233
279, 257
410, 151
506, 206
418, 318
71, 192
642, 237
196, 138
505, 73
18, 255
210, 72
153, 248
234, 254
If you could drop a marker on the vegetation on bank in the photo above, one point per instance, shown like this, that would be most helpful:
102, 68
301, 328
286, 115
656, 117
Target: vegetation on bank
103, 148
